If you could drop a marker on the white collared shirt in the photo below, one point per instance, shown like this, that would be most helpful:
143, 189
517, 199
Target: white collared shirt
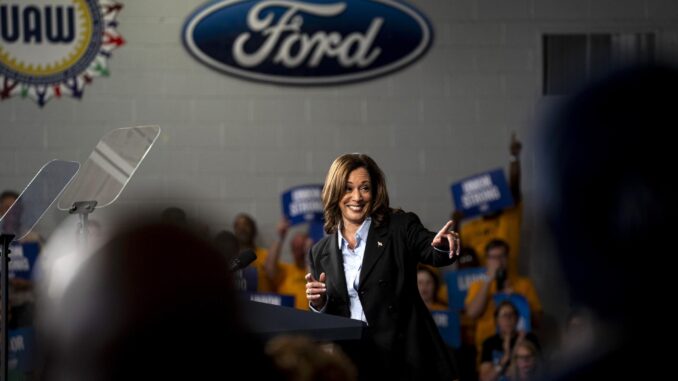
353, 263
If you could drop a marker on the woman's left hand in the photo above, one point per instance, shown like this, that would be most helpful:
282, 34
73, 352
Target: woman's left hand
447, 240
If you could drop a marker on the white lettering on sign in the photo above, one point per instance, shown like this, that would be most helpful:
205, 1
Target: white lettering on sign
482, 197
479, 191
268, 299
441, 320
305, 201
477, 184
18, 262
305, 207
16, 344
302, 194
464, 282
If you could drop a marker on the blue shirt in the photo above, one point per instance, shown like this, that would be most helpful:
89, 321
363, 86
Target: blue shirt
353, 263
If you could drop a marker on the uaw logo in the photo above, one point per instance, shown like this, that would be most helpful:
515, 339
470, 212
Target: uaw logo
307, 42
54, 48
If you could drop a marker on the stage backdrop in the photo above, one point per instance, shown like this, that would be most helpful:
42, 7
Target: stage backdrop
232, 144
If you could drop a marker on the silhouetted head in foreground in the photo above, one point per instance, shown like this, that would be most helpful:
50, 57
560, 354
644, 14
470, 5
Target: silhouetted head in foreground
227, 244
298, 358
156, 302
609, 161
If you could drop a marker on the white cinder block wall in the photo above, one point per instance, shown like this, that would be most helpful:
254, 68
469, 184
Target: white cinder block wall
230, 145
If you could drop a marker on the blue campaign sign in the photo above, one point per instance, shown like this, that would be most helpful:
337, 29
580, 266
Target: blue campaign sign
251, 276
316, 231
22, 259
518, 300
21, 349
458, 283
448, 326
303, 204
481, 194
246, 279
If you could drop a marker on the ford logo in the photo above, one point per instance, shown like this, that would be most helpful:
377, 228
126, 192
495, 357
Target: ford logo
307, 42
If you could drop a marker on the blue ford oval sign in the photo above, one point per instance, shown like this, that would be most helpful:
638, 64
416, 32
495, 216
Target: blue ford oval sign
307, 42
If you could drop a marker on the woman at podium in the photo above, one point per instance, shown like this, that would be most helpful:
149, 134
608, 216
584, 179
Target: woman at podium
366, 269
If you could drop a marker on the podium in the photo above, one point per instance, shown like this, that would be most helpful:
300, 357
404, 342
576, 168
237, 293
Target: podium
267, 321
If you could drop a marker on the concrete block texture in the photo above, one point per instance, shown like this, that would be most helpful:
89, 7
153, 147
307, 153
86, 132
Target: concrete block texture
230, 145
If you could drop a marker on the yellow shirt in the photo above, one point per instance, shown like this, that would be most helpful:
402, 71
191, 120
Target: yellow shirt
435, 306
485, 324
293, 283
263, 285
478, 232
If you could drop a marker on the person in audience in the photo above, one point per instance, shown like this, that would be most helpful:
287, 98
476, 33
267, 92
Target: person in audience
428, 283
227, 244
479, 303
526, 362
467, 353
468, 258
245, 230
12, 223
366, 269
504, 224
289, 278
7, 198
497, 349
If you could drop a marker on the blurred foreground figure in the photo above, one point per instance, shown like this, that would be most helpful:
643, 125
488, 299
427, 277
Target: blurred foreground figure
298, 358
155, 302
610, 162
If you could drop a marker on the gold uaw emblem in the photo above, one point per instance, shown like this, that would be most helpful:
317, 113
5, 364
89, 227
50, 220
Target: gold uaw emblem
53, 48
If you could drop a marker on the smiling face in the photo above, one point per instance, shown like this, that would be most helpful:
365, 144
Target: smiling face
525, 361
355, 203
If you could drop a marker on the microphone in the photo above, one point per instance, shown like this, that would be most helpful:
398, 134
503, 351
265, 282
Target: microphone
501, 279
242, 260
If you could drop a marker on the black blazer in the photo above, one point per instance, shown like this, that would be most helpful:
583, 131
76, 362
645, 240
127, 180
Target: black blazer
401, 330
